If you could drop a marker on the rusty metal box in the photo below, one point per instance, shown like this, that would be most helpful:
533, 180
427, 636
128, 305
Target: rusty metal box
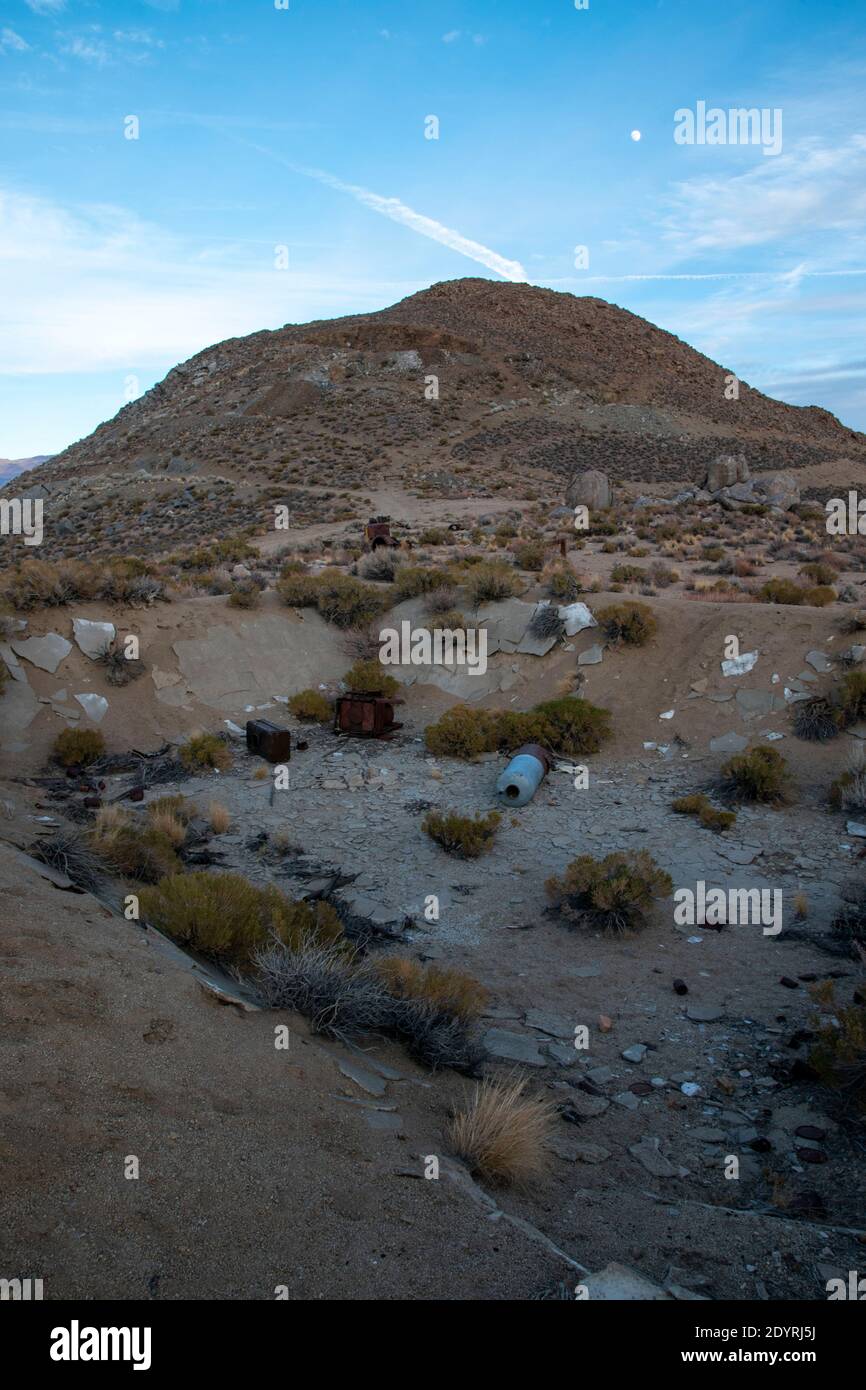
269, 741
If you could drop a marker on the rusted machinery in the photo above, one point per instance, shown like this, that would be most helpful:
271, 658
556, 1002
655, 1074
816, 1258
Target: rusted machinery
377, 533
365, 715
524, 774
269, 741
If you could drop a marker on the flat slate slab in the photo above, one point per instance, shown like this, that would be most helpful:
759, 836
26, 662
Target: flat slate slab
93, 637
729, 743
45, 652
513, 1047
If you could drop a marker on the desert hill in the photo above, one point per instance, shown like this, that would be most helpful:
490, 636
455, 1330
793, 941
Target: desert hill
532, 385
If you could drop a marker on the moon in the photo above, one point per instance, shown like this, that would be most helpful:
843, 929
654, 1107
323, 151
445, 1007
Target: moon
635, 135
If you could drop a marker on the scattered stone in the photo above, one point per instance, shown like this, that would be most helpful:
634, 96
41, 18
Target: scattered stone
590, 489
93, 637
703, 1013
635, 1053
729, 743
590, 1153
549, 1023
45, 652
648, 1154
592, 656
367, 1080
680, 987
94, 706
513, 1047
819, 662
627, 1100
739, 665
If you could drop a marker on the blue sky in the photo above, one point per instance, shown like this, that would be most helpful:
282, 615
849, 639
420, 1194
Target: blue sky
262, 128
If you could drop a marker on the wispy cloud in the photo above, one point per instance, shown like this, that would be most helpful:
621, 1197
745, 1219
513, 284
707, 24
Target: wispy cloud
45, 6
812, 188
418, 222
9, 39
88, 50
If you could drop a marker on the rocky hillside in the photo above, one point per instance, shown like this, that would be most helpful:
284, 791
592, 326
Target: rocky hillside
532, 385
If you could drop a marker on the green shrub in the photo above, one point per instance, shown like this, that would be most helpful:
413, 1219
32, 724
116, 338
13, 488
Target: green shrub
699, 805
412, 580
530, 556
229, 918
631, 622
370, 677
851, 698
311, 705
490, 584
297, 590
466, 836
246, 595
760, 774
613, 894
461, 733
78, 747
137, 850
573, 726
562, 583
203, 751
785, 591
628, 574
346, 602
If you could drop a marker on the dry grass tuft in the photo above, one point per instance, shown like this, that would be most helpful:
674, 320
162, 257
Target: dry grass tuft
500, 1134
219, 817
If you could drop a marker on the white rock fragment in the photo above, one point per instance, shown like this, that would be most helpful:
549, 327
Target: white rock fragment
94, 706
576, 617
93, 637
739, 665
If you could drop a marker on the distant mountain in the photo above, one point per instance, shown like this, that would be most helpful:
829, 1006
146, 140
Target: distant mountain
10, 468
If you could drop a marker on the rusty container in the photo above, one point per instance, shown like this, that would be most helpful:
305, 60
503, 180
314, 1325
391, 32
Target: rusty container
365, 716
269, 741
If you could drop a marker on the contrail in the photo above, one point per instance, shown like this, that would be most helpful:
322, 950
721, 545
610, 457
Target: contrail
408, 217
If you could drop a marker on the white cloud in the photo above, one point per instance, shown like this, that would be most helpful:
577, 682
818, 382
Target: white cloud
87, 50
812, 188
9, 39
91, 289
452, 36
45, 6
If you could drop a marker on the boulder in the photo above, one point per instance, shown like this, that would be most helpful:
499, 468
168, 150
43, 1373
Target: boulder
726, 470
590, 489
777, 490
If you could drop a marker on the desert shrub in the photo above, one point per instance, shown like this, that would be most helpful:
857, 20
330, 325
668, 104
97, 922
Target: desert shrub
381, 564
167, 824
853, 622
572, 725
433, 536
346, 998
613, 894
546, 622
628, 574
135, 849
819, 596
297, 590
229, 918
346, 602
820, 573
178, 806
450, 621
699, 805
370, 676
461, 733
631, 622
466, 836
839, 1053
441, 600
567, 726
311, 706
119, 670
490, 584
562, 583
815, 720
785, 591
759, 774
70, 853
204, 751
851, 698
219, 816
531, 555
245, 595
457, 993
662, 576
78, 747
502, 1132
848, 791
413, 580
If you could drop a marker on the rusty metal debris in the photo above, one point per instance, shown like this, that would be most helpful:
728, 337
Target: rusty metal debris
269, 741
365, 715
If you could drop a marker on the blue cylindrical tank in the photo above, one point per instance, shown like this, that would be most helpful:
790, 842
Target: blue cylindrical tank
523, 775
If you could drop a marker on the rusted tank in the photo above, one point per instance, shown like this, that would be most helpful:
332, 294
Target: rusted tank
365, 715
269, 741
